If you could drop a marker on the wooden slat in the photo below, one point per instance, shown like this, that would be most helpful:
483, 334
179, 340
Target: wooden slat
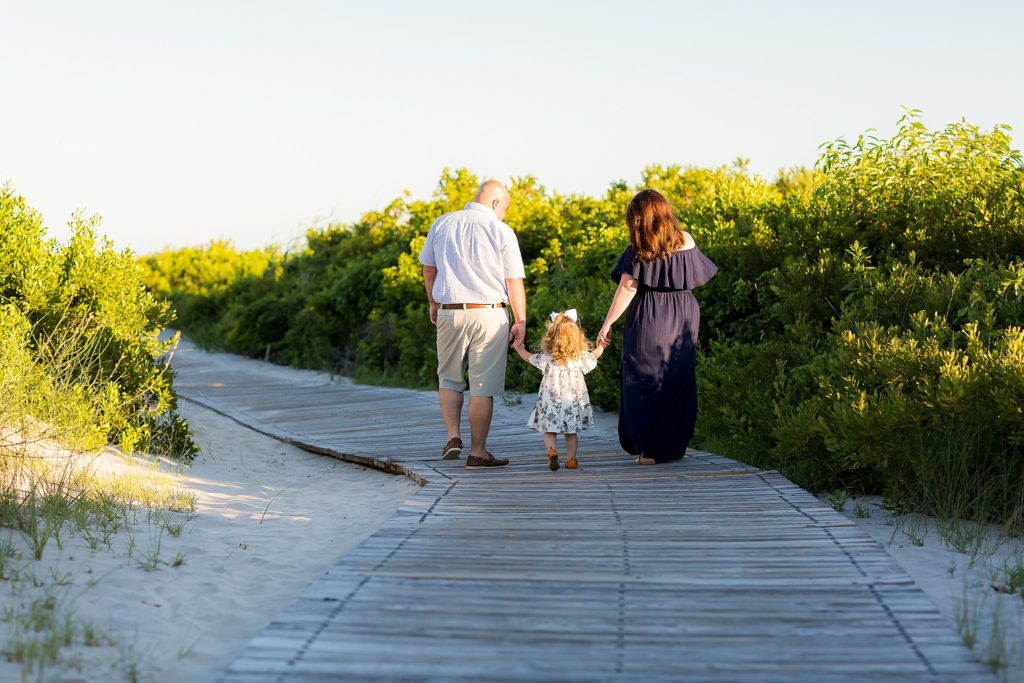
705, 570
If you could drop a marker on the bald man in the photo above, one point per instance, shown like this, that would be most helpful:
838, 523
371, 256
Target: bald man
473, 273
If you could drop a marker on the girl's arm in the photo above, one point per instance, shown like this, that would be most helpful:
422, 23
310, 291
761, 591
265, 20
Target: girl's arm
598, 350
620, 302
520, 346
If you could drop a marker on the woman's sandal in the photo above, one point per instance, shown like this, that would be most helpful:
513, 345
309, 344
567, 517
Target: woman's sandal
553, 460
572, 463
644, 460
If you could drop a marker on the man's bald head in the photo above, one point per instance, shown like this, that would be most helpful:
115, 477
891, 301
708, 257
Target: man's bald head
493, 194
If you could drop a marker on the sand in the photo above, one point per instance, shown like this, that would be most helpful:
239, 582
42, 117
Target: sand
269, 519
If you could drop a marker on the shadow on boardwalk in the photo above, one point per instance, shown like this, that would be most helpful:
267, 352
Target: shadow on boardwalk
706, 570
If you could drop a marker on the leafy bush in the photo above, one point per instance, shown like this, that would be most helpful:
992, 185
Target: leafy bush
79, 339
864, 330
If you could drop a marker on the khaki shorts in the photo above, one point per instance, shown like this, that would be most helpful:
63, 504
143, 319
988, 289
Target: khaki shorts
476, 339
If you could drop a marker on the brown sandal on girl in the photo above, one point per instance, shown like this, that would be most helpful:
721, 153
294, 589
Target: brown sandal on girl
553, 460
572, 463
644, 460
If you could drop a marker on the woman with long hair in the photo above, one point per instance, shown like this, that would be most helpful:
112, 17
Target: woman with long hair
656, 275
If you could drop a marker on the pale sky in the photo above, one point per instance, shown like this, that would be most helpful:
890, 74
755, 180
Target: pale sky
183, 121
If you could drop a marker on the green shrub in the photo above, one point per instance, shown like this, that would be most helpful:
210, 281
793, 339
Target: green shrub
79, 338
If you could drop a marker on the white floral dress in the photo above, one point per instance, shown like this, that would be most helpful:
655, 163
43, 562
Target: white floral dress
563, 404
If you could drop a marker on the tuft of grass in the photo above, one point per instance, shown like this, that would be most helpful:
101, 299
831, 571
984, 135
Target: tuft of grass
997, 650
967, 616
133, 664
838, 499
39, 629
8, 556
965, 498
1010, 577
92, 635
913, 527
974, 539
151, 557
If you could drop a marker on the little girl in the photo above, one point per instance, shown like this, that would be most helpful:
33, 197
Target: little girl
563, 405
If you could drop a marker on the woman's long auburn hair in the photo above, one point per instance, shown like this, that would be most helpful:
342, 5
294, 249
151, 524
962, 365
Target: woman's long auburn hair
654, 231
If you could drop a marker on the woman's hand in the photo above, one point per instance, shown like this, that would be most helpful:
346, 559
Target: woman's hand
623, 296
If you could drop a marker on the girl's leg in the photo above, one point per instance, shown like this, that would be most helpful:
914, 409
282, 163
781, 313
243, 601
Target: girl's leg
550, 440
572, 442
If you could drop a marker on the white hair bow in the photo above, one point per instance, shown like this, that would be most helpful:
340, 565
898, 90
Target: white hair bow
570, 314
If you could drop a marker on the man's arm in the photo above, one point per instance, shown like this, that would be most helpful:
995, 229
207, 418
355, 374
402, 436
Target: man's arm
429, 275
517, 302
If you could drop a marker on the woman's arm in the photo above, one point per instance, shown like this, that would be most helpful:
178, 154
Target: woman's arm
620, 302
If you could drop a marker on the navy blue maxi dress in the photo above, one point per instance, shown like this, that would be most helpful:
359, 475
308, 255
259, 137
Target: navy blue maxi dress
658, 397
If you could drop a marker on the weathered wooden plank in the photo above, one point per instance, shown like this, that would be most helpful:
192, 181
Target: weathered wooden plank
704, 570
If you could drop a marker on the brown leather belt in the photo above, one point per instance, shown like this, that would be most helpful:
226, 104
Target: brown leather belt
449, 307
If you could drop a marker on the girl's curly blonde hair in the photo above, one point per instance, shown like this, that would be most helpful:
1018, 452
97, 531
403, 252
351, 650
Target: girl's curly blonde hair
564, 340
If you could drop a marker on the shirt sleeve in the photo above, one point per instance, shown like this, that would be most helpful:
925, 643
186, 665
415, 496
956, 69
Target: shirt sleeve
537, 360
511, 259
588, 362
427, 252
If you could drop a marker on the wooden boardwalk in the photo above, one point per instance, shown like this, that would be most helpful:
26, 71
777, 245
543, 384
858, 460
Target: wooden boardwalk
708, 570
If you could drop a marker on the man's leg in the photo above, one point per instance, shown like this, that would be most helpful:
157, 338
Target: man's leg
452, 346
488, 351
481, 408
451, 410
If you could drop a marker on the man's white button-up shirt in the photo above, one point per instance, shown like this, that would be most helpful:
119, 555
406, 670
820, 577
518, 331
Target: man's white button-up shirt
474, 253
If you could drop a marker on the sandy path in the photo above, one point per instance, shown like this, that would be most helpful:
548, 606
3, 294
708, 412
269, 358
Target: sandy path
241, 566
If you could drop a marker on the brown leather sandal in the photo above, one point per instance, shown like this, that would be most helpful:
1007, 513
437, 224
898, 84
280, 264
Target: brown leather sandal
474, 462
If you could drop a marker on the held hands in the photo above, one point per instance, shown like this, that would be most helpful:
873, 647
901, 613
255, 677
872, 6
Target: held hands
519, 344
604, 337
517, 334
